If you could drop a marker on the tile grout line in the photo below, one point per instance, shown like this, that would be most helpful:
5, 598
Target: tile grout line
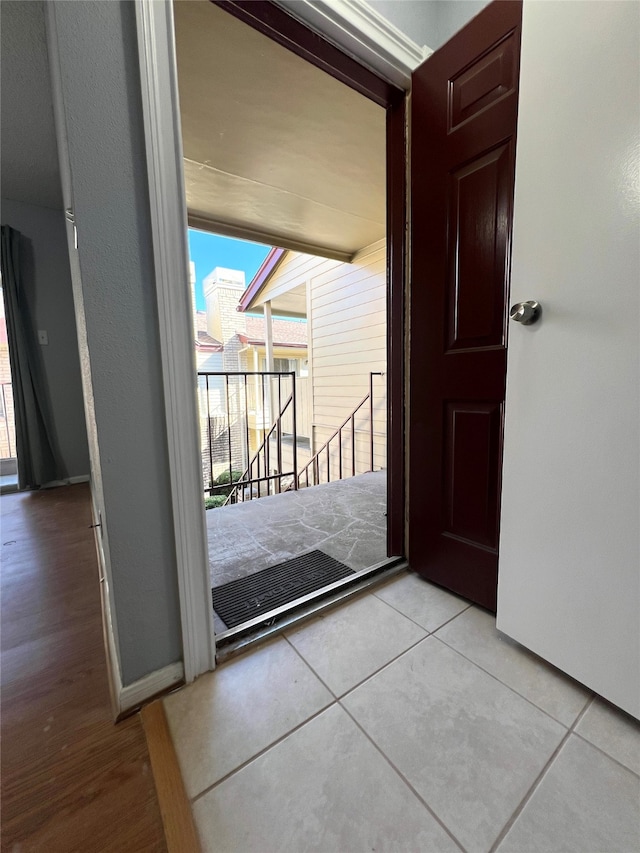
606, 754
403, 778
393, 607
341, 696
335, 701
260, 753
538, 780
265, 749
308, 665
508, 686
378, 749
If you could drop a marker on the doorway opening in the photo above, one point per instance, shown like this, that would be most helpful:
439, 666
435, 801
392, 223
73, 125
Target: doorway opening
304, 168
290, 411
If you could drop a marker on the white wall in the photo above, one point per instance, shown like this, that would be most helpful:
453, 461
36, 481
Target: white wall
47, 282
569, 575
428, 22
29, 162
103, 116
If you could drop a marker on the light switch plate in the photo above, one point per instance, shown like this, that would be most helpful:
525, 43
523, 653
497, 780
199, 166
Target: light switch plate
43, 337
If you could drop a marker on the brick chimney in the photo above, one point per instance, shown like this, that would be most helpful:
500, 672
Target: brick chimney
222, 291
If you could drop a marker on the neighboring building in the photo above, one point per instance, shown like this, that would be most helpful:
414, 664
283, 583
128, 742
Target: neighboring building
333, 339
234, 411
344, 305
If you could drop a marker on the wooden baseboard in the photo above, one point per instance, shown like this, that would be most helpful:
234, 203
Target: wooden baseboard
177, 818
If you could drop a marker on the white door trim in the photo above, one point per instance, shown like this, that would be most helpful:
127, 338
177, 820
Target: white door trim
160, 107
359, 31
161, 112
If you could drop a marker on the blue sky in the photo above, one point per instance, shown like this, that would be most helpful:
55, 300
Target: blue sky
208, 251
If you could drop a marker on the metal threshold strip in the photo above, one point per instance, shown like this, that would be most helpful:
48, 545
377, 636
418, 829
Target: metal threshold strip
235, 640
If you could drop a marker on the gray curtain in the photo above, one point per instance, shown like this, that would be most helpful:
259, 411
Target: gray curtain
38, 459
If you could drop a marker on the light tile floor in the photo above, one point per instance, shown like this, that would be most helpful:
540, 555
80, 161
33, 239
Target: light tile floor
402, 720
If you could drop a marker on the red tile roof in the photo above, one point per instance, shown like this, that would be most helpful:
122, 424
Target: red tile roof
203, 338
285, 332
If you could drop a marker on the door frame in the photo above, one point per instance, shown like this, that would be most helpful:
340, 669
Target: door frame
163, 141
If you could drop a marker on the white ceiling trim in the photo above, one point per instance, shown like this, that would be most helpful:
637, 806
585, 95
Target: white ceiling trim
266, 237
360, 31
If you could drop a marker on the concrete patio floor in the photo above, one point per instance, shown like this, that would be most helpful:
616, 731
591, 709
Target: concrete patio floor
346, 519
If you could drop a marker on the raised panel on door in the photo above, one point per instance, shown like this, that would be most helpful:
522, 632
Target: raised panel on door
477, 259
472, 437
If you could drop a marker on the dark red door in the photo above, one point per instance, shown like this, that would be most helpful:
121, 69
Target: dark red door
463, 131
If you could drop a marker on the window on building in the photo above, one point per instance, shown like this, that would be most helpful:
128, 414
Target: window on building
284, 365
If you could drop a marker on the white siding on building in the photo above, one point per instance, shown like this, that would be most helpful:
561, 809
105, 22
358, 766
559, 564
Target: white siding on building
348, 341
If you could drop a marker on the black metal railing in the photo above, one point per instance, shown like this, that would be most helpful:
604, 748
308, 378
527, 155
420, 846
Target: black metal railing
338, 447
241, 395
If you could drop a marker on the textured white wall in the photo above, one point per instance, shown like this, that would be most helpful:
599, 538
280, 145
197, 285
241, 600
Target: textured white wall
428, 22
47, 281
101, 94
569, 576
29, 163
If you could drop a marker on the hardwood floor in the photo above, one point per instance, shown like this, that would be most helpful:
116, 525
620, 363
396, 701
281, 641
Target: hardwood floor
71, 780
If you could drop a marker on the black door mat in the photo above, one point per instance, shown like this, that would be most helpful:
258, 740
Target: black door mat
243, 599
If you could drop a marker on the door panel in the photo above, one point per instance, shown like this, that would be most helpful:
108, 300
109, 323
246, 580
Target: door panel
477, 243
463, 126
471, 445
485, 81
569, 585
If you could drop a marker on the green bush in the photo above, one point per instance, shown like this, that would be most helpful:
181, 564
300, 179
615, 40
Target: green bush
226, 479
214, 500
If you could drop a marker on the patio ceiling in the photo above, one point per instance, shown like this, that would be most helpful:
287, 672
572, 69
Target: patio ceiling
293, 303
275, 150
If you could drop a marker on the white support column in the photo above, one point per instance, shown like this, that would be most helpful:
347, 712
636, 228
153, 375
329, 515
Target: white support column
268, 340
256, 391
268, 334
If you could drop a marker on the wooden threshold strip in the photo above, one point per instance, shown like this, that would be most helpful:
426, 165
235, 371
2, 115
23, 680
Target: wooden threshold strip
177, 818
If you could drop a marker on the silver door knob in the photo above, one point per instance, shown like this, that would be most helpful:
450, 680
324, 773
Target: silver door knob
526, 312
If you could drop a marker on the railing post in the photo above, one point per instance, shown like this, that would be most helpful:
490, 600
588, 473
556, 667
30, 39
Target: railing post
210, 442
229, 429
246, 428
353, 444
267, 449
295, 432
371, 416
